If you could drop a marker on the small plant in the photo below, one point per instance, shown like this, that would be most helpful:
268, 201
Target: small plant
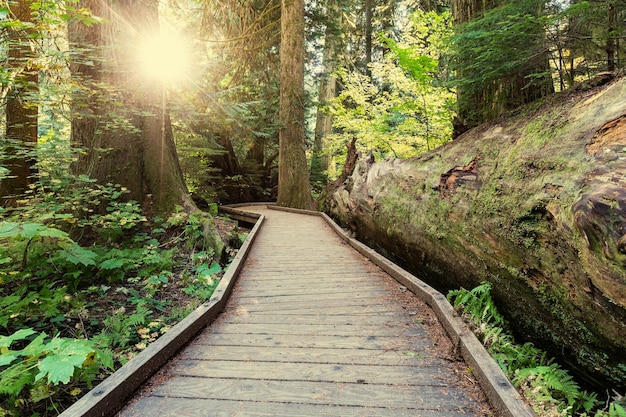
44, 366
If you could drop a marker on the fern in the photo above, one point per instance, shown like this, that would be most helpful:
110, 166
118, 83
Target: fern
478, 304
545, 384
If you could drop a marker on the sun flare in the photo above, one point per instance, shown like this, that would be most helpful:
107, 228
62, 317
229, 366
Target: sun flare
165, 57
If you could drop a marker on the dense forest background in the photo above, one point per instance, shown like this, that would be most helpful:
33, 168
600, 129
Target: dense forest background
123, 125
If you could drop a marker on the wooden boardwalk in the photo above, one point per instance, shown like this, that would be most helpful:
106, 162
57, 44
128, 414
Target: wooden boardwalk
314, 328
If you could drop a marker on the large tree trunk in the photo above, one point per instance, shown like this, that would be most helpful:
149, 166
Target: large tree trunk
294, 189
21, 107
535, 204
121, 119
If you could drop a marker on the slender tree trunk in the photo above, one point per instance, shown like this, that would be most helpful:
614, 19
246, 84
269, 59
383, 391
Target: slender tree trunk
369, 13
327, 89
121, 119
611, 41
293, 176
21, 107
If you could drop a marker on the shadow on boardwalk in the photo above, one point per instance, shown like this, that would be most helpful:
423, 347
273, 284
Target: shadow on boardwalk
314, 328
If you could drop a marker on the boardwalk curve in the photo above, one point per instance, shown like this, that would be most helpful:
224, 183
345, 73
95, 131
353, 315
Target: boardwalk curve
313, 328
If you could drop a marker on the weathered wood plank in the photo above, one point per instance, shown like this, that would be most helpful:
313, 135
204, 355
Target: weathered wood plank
306, 298
406, 358
326, 342
381, 320
406, 396
351, 305
178, 407
316, 330
291, 290
315, 372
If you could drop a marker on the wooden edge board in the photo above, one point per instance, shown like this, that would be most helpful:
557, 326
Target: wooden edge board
108, 397
237, 205
239, 215
501, 394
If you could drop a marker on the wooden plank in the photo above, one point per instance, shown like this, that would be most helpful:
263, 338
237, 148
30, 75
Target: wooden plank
327, 342
321, 302
315, 313
315, 329
362, 306
294, 286
328, 297
178, 407
406, 358
292, 290
295, 371
357, 394
381, 320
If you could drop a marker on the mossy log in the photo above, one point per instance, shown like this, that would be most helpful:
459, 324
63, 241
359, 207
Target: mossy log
534, 203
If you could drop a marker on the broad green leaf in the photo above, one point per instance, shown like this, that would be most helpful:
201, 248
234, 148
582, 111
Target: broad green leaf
112, 263
6, 341
9, 229
15, 378
78, 255
30, 230
215, 268
66, 355
7, 358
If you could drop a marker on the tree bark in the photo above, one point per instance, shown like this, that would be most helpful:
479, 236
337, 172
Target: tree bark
120, 119
294, 189
536, 205
327, 89
21, 107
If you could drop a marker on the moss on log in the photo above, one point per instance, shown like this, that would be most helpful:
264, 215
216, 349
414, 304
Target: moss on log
534, 203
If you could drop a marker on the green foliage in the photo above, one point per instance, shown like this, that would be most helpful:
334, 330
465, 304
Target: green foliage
62, 250
36, 371
403, 110
550, 388
501, 42
615, 410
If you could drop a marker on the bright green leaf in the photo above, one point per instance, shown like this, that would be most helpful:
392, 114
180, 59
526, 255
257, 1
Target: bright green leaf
6, 341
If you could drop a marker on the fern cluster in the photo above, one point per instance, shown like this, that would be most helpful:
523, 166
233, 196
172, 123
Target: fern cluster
545, 384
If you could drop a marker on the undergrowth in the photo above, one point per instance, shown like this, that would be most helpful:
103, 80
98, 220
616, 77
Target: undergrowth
547, 386
86, 282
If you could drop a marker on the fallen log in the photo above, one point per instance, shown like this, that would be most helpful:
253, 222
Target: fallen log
534, 203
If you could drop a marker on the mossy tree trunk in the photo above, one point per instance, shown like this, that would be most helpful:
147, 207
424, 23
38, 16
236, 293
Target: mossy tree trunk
535, 204
21, 105
294, 189
120, 118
